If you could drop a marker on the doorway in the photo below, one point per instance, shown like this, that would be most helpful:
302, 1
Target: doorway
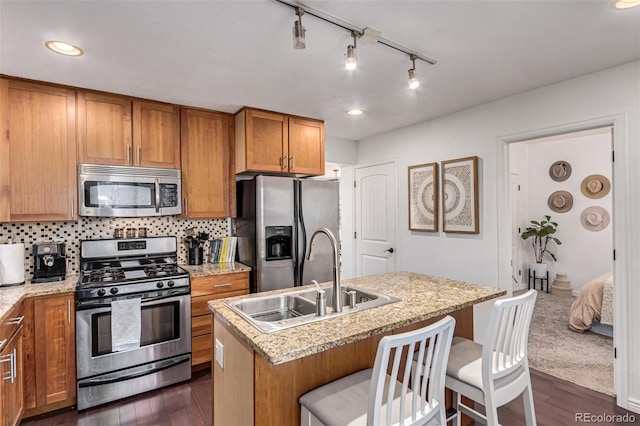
618, 213
375, 218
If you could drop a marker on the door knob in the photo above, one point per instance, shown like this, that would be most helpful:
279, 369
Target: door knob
390, 250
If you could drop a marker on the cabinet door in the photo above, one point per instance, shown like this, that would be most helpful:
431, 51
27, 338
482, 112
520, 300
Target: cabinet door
104, 129
37, 152
204, 289
206, 160
12, 386
306, 146
267, 141
55, 355
156, 135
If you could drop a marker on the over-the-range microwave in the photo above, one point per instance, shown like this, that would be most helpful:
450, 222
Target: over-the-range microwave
121, 191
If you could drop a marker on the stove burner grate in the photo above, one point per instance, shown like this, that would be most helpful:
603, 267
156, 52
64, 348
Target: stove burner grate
105, 275
161, 270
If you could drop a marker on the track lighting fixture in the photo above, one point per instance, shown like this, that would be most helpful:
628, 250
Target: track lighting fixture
414, 83
299, 41
350, 60
368, 36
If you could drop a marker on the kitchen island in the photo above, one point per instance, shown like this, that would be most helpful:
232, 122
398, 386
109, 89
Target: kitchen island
263, 375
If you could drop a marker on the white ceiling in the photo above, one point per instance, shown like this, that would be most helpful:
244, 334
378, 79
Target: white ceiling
222, 55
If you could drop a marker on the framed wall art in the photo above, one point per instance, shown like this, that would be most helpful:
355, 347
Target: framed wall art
460, 195
423, 197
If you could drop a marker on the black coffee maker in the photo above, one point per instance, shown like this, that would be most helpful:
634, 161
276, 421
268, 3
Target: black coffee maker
50, 262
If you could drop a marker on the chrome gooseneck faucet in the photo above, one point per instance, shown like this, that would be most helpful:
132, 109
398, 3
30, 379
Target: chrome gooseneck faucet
336, 297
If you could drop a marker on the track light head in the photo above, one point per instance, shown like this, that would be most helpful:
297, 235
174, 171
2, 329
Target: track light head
350, 59
299, 41
414, 83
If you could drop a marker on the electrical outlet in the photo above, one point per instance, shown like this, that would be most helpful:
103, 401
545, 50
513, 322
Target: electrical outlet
220, 354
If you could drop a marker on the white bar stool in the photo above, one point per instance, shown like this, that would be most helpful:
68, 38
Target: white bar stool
373, 397
497, 372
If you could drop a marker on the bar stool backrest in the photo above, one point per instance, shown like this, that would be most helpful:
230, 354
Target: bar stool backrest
421, 394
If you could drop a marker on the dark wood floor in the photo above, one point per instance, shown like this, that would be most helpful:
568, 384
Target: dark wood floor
556, 402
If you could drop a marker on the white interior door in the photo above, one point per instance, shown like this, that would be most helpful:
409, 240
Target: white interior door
375, 219
514, 199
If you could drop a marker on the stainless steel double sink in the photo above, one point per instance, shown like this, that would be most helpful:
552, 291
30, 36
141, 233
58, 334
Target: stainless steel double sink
279, 311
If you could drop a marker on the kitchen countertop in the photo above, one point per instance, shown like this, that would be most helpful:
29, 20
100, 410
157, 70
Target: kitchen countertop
421, 297
11, 295
208, 269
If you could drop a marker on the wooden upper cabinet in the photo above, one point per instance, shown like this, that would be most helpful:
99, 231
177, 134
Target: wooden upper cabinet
37, 152
104, 129
262, 141
156, 135
306, 146
277, 143
206, 157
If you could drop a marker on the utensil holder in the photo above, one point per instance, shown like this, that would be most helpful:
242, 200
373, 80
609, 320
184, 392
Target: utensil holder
195, 256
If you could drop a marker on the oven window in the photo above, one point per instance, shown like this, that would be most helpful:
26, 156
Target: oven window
159, 323
119, 194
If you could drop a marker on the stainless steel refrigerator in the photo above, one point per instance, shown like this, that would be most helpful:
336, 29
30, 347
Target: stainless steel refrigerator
275, 221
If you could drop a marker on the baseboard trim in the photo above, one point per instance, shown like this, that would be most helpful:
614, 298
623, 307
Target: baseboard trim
634, 405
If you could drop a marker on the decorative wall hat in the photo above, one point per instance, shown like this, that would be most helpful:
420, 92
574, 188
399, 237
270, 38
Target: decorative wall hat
560, 201
595, 218
560, 171
595, 186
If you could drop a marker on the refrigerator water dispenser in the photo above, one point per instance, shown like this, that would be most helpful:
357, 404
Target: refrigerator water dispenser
278, 242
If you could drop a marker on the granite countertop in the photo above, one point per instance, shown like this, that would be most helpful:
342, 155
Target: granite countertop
421, 297
11, 295
208, 269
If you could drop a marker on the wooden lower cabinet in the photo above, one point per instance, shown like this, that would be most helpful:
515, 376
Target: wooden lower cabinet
204, 289
50, 353
11, 368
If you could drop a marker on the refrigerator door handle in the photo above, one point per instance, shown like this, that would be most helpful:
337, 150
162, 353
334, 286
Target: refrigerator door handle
303, 234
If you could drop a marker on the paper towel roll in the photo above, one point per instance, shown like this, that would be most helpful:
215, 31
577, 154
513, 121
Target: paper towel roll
11, 264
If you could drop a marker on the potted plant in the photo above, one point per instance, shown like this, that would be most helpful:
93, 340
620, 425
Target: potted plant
542, 233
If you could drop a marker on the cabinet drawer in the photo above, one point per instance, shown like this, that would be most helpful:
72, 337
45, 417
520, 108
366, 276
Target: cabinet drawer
217, 284
201, 325
199, 303
10, 323
201, 349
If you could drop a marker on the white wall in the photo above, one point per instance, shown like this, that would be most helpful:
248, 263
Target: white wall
583, 254
341, 151
482, 131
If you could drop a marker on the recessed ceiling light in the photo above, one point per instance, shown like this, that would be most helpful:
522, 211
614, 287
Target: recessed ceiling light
355, 112
64, 48
626, 4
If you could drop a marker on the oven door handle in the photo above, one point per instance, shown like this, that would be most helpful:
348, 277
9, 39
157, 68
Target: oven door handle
92, 304
140, 371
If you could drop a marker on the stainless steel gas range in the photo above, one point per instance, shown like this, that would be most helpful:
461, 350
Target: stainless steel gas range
133, 319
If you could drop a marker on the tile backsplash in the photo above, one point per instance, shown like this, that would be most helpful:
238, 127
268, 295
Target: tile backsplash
92, 228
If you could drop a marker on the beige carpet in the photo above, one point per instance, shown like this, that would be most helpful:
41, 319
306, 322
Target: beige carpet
585, 359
